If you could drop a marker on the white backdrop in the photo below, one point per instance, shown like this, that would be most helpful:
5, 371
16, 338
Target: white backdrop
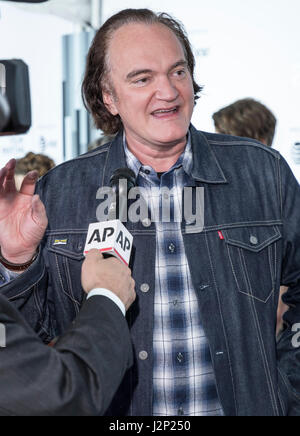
244, 48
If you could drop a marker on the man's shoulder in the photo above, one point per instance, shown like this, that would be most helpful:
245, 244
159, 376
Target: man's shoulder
85, 162
225, 143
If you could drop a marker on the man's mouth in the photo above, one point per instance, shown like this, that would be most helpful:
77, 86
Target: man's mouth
165, 112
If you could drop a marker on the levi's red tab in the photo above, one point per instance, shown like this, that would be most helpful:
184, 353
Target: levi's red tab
221, 236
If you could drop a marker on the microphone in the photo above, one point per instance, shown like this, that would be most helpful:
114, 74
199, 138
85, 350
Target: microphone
111, 237
121, 181
4, 112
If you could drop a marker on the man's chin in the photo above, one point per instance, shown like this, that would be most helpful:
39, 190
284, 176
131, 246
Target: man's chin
172, 139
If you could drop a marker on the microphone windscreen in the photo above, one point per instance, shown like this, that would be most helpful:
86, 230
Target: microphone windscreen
121, 174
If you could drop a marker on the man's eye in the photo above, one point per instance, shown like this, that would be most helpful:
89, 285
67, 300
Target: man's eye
142, 81
180, 73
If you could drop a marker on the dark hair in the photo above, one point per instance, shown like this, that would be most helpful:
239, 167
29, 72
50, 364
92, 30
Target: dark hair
96, 67
247, 118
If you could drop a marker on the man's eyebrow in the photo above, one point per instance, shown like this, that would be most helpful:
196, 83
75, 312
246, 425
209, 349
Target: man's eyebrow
135, 73
181, 63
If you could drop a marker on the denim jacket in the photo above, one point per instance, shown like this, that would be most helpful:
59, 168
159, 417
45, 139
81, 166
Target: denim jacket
249, 246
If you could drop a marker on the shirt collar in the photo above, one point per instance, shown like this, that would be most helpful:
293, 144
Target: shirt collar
185, 160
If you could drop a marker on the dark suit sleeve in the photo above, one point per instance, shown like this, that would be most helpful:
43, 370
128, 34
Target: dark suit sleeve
288, 354
78, 376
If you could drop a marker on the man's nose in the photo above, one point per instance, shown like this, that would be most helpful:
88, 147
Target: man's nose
166, 89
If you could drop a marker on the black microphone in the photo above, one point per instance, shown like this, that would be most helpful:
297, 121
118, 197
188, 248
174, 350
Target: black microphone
121, 181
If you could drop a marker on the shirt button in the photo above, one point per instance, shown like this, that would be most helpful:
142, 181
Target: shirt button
145, 288
143, 355
166, 196
146, 222
172, 248
180, 411
180, 357
253, 240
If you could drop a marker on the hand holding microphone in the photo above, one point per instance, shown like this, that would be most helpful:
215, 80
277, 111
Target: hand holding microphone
111, 274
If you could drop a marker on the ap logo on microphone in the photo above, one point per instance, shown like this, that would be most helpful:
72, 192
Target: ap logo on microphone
110, 237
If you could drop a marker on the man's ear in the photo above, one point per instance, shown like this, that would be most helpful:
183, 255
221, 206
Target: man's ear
109, 101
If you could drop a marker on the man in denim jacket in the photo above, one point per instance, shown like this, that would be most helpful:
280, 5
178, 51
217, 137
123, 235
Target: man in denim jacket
204, 322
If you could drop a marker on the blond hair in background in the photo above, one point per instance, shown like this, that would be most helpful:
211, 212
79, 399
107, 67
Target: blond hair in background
32, 161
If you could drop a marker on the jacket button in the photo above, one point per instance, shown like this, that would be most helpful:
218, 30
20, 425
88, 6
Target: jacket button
143, 355
145, 288
180, 357
253, 240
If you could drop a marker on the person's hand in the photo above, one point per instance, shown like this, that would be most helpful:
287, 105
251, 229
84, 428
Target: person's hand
23, 218
110, 274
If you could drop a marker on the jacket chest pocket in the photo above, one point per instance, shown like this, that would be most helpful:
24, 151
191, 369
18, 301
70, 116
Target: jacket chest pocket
253, 255
66, 257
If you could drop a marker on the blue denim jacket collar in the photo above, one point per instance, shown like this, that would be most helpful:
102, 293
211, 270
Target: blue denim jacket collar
206, 167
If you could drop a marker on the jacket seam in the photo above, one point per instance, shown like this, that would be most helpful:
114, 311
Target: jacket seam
75, 302
263, 352
105, 164
84, 156
249, 292
217, 164
280, 191
260, 247
61, 282
204, 230
223, 325
30, 287
243, 143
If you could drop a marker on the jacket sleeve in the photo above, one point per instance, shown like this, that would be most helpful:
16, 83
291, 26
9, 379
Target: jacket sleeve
28, 292
288, 350
78, 376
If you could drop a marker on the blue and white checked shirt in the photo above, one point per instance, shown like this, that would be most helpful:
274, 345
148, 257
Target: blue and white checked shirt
183, 377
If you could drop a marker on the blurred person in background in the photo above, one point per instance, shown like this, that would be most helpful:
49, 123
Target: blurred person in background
252, 119
246, 118
38, 162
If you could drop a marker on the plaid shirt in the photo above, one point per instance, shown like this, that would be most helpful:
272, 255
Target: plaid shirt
183, 376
